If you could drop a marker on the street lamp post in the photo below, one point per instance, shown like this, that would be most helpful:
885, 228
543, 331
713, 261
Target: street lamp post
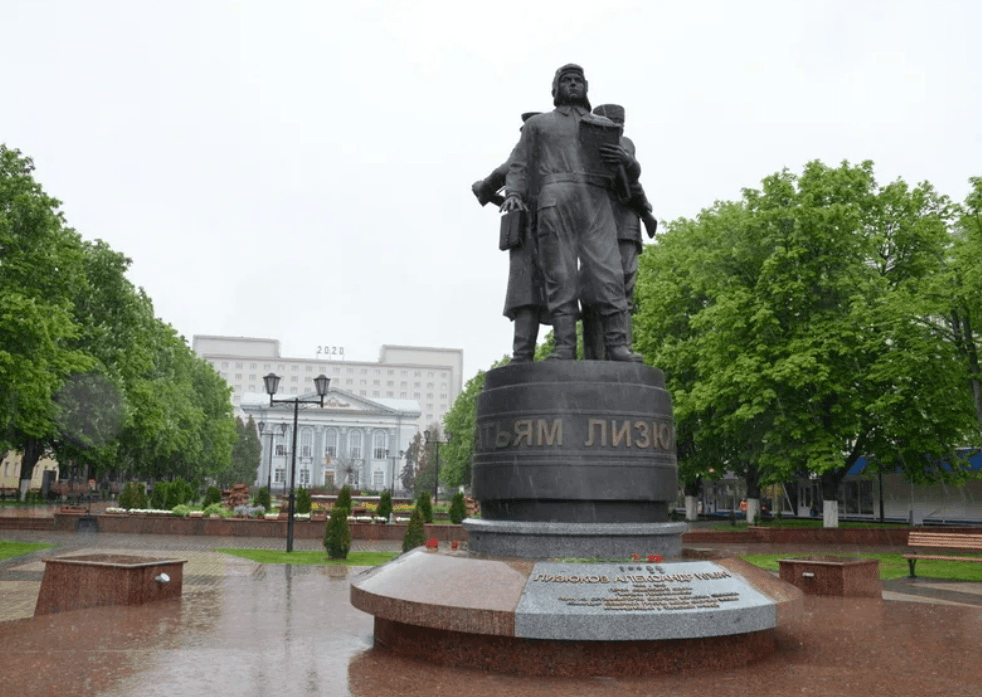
436, 485
271, 382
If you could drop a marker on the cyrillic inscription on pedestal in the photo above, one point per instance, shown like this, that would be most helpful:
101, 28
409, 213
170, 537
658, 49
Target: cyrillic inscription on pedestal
637, 601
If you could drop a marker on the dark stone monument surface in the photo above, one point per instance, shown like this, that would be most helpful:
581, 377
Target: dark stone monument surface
575, 442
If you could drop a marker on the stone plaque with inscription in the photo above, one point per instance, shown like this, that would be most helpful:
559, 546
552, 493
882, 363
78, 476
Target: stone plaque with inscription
639, 601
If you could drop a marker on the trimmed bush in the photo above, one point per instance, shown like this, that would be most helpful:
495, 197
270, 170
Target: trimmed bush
263, 498
344, 498
159, 496
126, 497
139, 495
181, 510
415, 532
213, 495
176, 493
458, 511
384, 506
425, 506
217, 509
303, 500
337, 536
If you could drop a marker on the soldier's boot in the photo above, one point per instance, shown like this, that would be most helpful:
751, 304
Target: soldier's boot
526, 332
615, 338
593, 334
564, 333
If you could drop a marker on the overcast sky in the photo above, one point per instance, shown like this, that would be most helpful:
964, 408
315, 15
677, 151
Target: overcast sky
302, 170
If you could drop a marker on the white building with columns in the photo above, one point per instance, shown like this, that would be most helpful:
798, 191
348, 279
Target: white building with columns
351, 440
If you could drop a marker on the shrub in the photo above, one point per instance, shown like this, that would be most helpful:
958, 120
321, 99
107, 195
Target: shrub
303, 500
337, 536
263, 498
176, 493
249, 511
181, 510
159, 496
344, 498
139, 495
213, 495
458, 511
217, 509
415, 532
384, 506
126, 497
424, 506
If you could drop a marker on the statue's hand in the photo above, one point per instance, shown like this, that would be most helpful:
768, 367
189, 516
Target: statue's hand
513, 203
616, 155
479, 189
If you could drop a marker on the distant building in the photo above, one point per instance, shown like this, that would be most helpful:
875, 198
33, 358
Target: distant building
432, 377
351, 440
10, 463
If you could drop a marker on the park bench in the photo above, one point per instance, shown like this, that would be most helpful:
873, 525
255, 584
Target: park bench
942, 540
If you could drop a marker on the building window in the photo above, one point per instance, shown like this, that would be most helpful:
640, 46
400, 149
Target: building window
380, 445
265, 366
294, 368
364, 371
378, 479
305, 439
348, 381
253, 376
252, 366
310, 369
238, 365
376, 382
304, 477
238, 376
363, 393
363, 382
280, 450
354, 444
375, 393
402, 395
337, 370
293, 378
331, 442
279, 367
279, 476
388, 394
329, 480
225, 364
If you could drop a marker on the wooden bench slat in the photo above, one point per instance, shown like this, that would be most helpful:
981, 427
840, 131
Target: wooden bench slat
942, 540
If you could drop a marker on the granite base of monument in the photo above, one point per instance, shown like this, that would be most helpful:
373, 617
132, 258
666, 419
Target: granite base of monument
536, 540
530, 617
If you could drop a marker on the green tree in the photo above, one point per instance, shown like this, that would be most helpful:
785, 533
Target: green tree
457, 455
246, 454
425, 507
344, 498
304, 500
263, 499
415, 531
384, 505
337, 535
40, 272
458, 510
785, 324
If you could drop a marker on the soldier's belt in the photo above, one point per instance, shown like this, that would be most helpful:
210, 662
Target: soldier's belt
577, 178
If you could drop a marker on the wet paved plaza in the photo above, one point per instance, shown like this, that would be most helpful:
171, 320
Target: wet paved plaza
247, 629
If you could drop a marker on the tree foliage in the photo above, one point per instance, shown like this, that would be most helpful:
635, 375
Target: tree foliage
794, 329
87, 371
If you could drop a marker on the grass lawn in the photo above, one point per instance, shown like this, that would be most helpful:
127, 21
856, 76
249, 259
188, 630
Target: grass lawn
268, 556
891, 565
15, 549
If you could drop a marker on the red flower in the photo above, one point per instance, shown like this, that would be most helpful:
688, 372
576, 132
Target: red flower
635, 556
454, 544
654, 558
432, 542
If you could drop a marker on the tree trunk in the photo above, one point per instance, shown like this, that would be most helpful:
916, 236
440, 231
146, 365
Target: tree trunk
33, 449
751, 477
691, 508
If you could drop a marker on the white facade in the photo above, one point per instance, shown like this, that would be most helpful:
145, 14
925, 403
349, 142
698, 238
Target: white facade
431, 377
351, 440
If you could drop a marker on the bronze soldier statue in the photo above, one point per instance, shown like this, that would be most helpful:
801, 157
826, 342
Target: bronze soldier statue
630, 206
525, 302
575, 223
